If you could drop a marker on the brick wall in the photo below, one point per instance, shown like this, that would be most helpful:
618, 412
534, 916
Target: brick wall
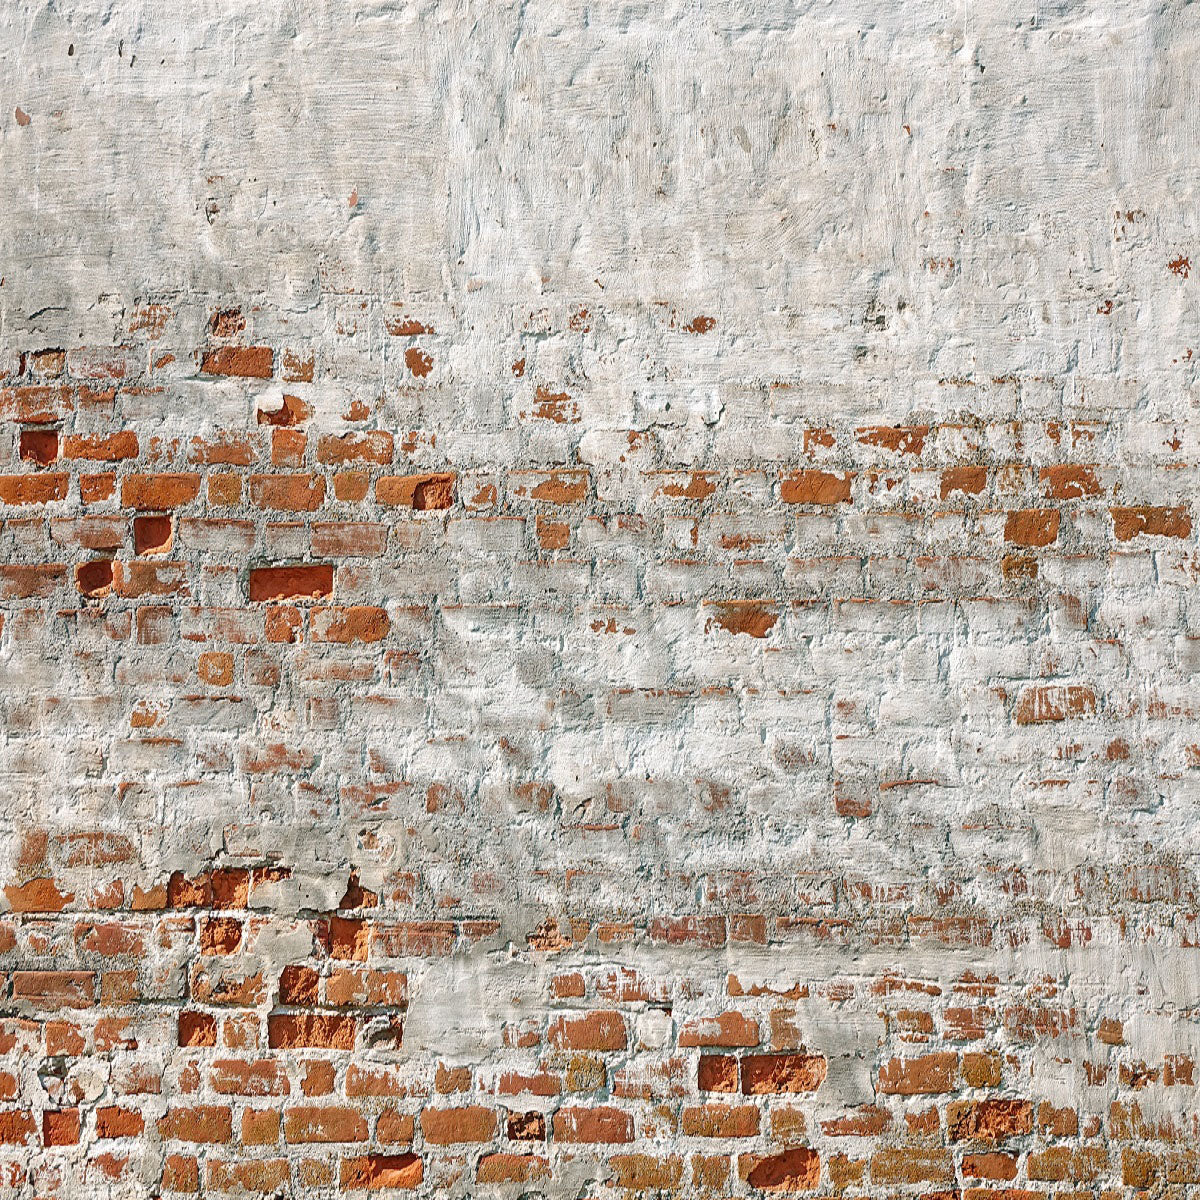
599, 601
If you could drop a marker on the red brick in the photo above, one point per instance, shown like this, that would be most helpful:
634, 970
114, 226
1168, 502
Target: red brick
16, 1126
912, 1164
899, 439
727, 1029
94, 579
646, 1173
1002, 1167
417, 361
526, 1127
324, 1031
200, 1123
113, 1121
260, 1127
1032, 527
815, 487
60, 1127
720, 1121
1131, 521
550, 487
289, 447
197, 1029
42, 488
55, 989
595, 1031
717, 1073
420, 492
679, 931
969, 481
375, 1172
38, 446
266, 1176
312, 1124
374, 446
600, 1124
373, 1081
511, 1168
1038, 705
928, 1075
292, 411
248, 362
37, 404
153, 535
359, 623
1069, 482
395, 1128
287, 493
794, 1170
449, 1126
38, 895
298, 984
768, 1073
750, 617
301, 580
988, 1120
181, 1173
111, 447
238, 1077
144, 492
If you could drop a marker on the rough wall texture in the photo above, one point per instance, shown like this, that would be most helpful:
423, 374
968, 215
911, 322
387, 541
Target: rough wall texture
599, 599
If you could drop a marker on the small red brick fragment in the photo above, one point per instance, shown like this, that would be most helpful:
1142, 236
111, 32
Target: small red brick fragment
752, 617
293, 411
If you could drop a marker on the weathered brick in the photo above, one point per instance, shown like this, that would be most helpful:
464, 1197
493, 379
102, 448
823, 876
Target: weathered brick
773, 1073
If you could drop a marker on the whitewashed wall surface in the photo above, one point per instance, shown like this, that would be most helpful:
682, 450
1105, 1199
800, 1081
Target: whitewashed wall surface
599, 599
